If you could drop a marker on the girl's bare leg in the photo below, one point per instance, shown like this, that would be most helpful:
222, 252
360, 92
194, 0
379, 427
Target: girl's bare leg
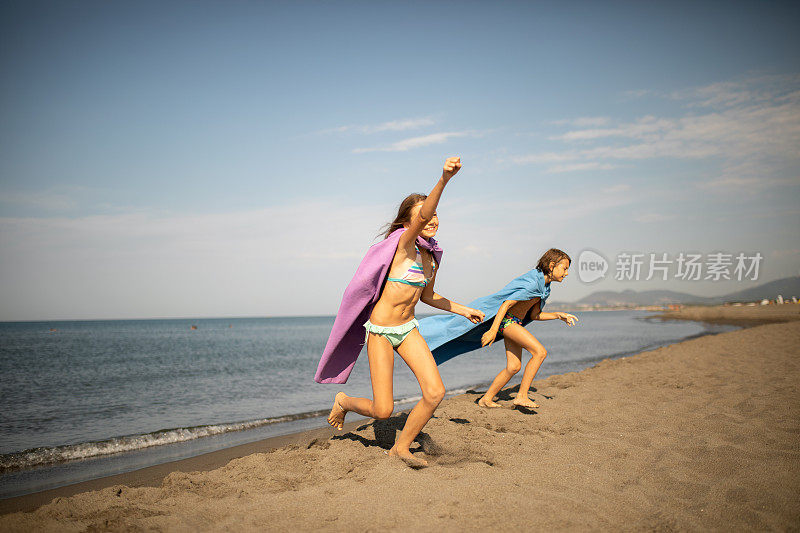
513, 364
417, 356
381, 368
522, 337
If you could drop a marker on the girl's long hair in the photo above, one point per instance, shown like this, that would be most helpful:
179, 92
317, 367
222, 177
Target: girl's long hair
553, 255
404, 212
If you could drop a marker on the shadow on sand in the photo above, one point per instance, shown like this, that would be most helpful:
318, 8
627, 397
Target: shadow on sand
508, 395
385, 432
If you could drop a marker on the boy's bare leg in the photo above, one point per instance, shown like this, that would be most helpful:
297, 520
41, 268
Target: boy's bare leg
521, 336
513, 364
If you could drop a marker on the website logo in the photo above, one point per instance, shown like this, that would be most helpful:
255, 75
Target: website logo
591, 266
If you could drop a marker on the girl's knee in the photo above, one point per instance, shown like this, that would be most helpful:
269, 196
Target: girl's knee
434, 394
382, 411
540, 354
513, 367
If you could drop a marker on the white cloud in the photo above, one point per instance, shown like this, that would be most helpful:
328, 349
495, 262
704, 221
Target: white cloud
545, 157
738, 184
574, 167
718, 94
402, 125
414, 142
583, 122
642, 128
754, 89
392, 125
755, 122
637, 93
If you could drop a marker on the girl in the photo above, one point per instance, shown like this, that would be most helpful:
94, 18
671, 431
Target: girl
513, 307
392, 278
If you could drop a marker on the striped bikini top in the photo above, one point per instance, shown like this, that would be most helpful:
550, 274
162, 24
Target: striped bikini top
415, 276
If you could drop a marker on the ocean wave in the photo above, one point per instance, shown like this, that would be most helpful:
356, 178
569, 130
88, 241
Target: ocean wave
70, 452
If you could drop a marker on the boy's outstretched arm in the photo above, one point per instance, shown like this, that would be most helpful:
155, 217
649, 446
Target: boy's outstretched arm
536, 314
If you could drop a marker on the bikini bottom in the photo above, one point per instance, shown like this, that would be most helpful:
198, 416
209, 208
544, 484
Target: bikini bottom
395, 334
509, 319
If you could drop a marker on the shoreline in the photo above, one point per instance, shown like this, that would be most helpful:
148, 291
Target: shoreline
456, 409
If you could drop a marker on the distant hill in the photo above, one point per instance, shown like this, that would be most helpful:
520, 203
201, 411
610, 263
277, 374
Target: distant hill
786, 287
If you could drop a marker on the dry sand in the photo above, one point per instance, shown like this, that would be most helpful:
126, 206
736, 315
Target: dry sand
704, 434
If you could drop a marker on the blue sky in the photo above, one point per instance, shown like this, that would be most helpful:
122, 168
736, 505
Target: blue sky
237, 158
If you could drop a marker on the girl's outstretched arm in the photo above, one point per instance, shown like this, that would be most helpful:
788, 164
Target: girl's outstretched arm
489, 337
432, 298
428, 209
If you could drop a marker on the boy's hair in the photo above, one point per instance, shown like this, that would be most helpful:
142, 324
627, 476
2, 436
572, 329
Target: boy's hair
553, 255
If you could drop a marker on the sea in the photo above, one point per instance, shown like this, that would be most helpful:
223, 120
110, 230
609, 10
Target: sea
81, 400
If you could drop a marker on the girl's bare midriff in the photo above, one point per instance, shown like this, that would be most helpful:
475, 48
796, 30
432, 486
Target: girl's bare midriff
396, 305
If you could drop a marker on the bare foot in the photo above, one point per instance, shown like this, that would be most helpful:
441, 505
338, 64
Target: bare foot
408, 458
483, 402
525, 402
336, 418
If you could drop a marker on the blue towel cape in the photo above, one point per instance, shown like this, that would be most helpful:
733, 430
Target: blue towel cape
451, 335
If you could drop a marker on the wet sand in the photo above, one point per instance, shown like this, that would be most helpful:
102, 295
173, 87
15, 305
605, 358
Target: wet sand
704, 434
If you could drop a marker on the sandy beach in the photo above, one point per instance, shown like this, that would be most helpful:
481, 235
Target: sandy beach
704, 434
